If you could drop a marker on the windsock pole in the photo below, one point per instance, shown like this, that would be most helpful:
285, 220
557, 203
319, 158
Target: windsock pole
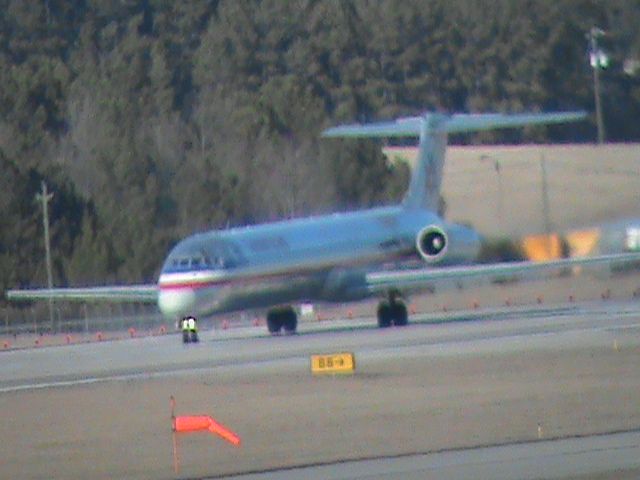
176, 459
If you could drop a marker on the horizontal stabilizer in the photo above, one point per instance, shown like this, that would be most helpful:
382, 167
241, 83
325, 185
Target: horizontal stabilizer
432, 129
456, 123
402, 127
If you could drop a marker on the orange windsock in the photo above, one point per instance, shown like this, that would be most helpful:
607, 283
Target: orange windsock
191, 423
199, 423
224, 432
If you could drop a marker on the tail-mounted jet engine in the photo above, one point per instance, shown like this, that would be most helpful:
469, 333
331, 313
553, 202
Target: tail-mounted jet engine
432, 243
458, 244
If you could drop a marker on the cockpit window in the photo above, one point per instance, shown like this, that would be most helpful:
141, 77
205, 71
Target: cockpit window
199, 262
214, 255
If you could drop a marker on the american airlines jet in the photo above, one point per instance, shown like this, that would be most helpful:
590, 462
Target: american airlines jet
332, 258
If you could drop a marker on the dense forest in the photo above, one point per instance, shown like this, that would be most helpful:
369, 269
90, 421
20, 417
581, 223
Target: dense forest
153, 119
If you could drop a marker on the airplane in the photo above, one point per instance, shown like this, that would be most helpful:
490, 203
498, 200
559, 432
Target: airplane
337, 257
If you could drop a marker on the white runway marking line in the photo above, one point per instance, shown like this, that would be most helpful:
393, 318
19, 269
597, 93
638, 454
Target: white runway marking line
143, 375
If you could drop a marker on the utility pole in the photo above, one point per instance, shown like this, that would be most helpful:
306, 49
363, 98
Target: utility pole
599, 60
45, 197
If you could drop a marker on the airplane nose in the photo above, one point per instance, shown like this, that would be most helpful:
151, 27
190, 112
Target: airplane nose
177, 302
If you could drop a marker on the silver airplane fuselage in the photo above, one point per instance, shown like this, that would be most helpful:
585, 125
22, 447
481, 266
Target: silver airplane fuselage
322, 258
333, 258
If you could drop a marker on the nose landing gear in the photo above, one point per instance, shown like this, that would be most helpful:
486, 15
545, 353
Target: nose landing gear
189, 330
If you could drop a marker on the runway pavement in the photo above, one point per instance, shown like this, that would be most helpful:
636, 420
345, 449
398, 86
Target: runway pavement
446, 382
597, 456
156, 356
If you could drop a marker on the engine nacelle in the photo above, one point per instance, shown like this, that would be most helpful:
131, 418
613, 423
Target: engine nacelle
432, 243
449, 244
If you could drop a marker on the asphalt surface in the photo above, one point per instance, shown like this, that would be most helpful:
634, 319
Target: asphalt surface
450, 395
447, 333
602, 455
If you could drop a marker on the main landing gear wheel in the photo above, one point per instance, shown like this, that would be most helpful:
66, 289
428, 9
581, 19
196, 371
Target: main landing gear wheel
392, 313
282, 319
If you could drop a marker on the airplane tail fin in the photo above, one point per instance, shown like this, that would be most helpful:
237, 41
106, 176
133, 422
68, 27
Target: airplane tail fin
432, 130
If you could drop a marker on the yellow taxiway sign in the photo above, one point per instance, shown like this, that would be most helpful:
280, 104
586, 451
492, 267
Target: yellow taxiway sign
333, 363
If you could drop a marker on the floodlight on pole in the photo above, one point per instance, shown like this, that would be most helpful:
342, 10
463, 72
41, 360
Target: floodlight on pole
598, 60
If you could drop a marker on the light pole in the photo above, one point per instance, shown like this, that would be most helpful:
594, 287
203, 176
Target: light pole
599, 60
497, 168
546, 211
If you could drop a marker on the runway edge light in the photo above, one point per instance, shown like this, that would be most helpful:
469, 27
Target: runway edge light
333, 363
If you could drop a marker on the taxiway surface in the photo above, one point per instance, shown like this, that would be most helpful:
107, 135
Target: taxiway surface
102, 410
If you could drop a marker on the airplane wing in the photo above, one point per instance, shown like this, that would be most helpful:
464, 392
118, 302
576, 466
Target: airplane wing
129, 293
406, 280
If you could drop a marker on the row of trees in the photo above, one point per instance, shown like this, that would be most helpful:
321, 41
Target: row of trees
152, 119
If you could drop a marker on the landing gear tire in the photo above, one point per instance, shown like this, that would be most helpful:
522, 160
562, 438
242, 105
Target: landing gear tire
392, 313
186, 338
384, 315
400, 316
290, 322
282, 319
274, 323
194, 337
